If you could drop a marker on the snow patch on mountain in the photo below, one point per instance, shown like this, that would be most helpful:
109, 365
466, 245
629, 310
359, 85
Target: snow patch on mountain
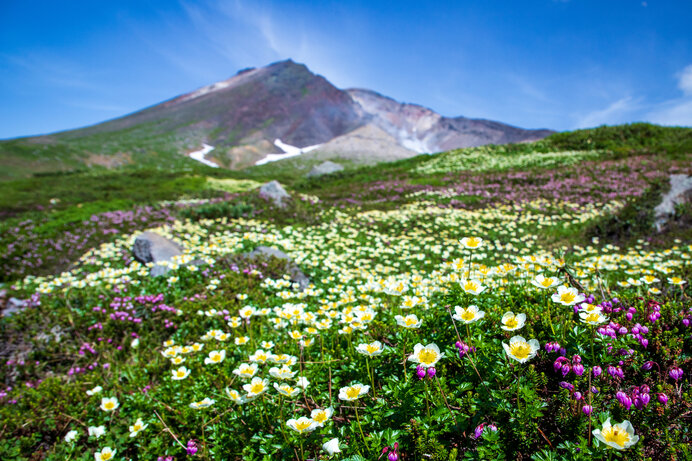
199, 155
289, 151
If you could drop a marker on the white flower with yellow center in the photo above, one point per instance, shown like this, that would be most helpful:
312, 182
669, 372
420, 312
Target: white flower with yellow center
654, 291
592, 309
137, 427
215, 357
109, 403
411, 321
396, 288
619, 436
259, 356
567, 296
282, 373
204, 403
302, 425
267, 344
235, 396
511, 322
592, 318
353, 392
471, 242
544, 282
246, 312
321, 416
177, 360
370, 349
94, 391
286, 390
468, 315
426, 356
473, 287
676, 281
246, 371
295, 334
241, 340
105, 454
180, 373
649, 279
521, 350
196, 347
633, 282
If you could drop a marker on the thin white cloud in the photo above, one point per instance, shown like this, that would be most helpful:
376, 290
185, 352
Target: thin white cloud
619, 111
678, 111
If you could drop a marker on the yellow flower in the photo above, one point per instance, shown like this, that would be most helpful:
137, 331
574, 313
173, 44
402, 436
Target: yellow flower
619, 436
426, 356
353, 392
521, 350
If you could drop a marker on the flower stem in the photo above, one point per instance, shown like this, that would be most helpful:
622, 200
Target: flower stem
360, 428
371, 374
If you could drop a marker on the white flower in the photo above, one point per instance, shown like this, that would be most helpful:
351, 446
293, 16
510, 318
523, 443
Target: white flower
593, 318
246, 371
135, 343
473, 287
70, 436
204, 403
302, 382
105, 454
353, 392
94, 391
286, 390
282, 373
321, 416
521, 350
543, 282
471, 242
180, 373
371, 350
96, 431
619, 436
411, 321
426, 356
215, 357
256, 387
302, 425
235, 396
511, 322
109, 403
468, 315
138, 427
567, 296
331, 446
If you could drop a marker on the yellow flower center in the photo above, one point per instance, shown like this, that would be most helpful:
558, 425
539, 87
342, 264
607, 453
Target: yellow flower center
257, 388
676, 280
473, 242
520, 350
427, 356
470, 286
547, 282
320, 417
303, 425
511, 322
353, 392
616, 436
105, 456
591, 318
409, 321
371, 348
137, 427
216, 357
109, 405
180, 373
567, 297
468, 315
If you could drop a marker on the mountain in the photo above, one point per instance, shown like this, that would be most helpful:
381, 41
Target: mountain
243, 116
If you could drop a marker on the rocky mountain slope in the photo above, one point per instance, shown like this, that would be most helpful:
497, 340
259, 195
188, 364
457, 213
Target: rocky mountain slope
243, 116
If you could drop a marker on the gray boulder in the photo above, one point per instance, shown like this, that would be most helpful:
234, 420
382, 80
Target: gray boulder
275, 192
150, 247
680, 185
297, 276
324, 168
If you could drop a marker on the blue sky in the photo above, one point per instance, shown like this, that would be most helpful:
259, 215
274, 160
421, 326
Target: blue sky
558, 64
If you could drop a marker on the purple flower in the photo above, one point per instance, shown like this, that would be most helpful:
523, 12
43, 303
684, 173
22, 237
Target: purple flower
578, 369
420, 372
431, 372
566, 385
663, 398
191, 447
587, 409
675, 373
596, 371
624, 399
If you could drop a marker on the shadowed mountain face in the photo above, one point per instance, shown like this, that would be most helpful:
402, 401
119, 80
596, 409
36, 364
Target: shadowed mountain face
243, 116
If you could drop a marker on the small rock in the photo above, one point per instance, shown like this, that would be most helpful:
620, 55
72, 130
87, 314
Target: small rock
325, 168
13, 306
150, 247
680, 184
294, 271
275, 192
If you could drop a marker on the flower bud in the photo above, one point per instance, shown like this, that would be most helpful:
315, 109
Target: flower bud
587, 409
663, 398
675, 373
431, 372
